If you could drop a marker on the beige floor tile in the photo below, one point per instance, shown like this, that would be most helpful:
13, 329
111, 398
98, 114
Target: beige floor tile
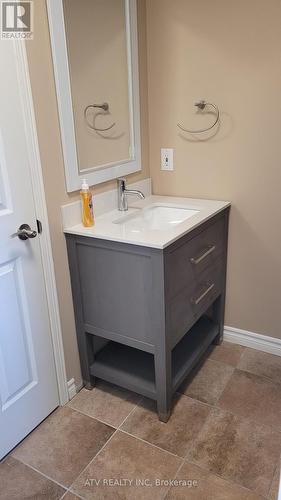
176, 436
238, 449
207, 381
261, 363
226, 353
274, 489
198, 484
127, 458
254, 397
106, 402
63, 444
19, 482
70, 496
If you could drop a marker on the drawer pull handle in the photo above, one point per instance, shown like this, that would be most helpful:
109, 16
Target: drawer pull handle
201, 297
196, 260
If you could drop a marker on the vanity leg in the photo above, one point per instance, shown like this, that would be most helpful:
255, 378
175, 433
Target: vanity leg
85, 341
218, 312
162, 363
218, 340
219, 304
89, 386
87, 358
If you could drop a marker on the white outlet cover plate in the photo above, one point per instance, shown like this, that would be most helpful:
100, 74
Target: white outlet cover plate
167, 159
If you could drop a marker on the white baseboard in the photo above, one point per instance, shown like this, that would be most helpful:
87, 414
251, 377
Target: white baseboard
253, 340
72, 391
73, 388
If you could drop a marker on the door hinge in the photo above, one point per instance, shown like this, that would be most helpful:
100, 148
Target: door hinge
39, 226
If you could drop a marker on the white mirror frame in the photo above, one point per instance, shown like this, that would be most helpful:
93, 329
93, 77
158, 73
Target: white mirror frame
106, 172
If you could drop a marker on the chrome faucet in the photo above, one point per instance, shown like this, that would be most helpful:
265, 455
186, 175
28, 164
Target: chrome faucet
123, 192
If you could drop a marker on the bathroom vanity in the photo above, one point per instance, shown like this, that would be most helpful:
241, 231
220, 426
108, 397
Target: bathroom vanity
149, 293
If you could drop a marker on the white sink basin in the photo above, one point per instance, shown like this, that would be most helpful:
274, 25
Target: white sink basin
155, 218
155, 222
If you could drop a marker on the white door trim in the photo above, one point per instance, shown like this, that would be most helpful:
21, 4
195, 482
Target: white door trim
41, 214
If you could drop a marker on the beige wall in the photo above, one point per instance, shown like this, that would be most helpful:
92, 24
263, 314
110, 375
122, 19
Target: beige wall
43, 89
228, 52
97, 54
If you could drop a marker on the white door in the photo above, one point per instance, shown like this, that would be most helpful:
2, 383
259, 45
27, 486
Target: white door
28, 384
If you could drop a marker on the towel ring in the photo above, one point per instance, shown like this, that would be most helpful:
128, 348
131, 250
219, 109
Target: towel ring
105, 107
202, 105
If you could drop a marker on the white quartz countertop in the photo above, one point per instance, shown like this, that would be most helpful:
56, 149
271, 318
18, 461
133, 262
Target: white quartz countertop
106, 228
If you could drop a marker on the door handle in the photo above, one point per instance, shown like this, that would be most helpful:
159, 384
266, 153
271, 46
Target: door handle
24, 232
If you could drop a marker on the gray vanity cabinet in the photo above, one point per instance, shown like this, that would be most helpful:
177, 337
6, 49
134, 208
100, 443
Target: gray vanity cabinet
145, 316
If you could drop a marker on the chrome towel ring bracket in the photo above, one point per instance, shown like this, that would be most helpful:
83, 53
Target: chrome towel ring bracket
105, 108
202, 105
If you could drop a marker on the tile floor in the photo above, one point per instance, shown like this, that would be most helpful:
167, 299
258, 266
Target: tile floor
222, 442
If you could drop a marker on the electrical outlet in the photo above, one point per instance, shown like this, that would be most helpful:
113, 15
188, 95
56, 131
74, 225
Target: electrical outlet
167, 159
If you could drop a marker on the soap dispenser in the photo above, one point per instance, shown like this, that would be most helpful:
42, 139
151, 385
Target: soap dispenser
87, 205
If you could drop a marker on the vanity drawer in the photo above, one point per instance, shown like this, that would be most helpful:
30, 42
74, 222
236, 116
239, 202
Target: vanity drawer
186, 263
189, 304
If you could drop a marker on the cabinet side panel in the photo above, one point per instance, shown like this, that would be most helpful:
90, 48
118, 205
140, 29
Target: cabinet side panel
116, 291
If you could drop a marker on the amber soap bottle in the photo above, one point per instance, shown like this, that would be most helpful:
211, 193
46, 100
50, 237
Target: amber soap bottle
87, 205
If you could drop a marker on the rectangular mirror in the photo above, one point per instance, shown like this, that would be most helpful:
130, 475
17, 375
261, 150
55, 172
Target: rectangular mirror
95, 54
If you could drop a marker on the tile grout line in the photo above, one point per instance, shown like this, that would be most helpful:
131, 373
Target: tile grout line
188, 459
103, 421
151, 444
194, 399
277, 468
216, 407
105, 444
275, 382
208, 405
233, 483
139, 439
41, 473
54, 480
170, 487
129, 414
83, 470
184, 459
94, 418
236, 367
67, 489
242, 355
225, 362
134, 437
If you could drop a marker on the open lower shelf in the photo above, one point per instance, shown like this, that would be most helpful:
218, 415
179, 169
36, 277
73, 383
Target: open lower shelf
190, 349
127, 367
134, 369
